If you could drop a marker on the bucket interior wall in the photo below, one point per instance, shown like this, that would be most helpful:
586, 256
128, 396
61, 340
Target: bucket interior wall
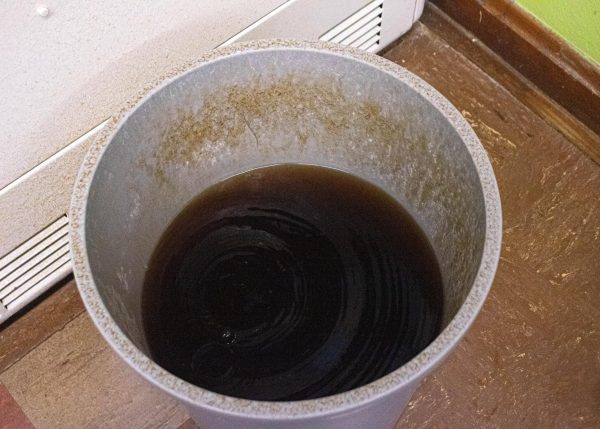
276, 106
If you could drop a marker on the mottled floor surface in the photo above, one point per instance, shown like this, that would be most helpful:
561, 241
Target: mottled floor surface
532, 359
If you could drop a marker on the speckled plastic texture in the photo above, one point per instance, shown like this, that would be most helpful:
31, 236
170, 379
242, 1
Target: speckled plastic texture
266, 102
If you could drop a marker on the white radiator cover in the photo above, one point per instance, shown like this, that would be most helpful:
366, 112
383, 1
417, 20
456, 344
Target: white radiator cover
66, 72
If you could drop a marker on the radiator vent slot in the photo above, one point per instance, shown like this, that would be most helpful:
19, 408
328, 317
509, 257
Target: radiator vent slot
34, 266
361, 30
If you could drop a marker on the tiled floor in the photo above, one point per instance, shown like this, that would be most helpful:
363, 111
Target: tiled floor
12, 414
531, 359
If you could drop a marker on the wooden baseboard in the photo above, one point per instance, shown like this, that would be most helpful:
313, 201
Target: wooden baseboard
535, 52
518, 85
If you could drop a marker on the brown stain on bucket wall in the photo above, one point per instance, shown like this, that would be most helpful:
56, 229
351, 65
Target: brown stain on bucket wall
281, 117
233, 114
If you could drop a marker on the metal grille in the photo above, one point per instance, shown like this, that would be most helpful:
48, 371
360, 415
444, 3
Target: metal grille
34, 266
361, 30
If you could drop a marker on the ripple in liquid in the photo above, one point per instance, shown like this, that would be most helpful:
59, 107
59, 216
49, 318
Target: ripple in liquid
290, 282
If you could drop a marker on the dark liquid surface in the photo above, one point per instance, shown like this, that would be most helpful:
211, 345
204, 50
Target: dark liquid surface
290, 282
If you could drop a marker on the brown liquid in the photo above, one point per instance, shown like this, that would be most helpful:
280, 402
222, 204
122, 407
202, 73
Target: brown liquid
290, 282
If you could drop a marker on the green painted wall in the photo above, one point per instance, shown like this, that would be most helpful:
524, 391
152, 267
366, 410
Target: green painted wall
577, 21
